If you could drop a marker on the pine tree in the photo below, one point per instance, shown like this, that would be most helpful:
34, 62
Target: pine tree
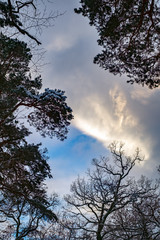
24, 166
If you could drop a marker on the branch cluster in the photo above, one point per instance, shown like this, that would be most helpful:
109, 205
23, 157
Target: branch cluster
109, 204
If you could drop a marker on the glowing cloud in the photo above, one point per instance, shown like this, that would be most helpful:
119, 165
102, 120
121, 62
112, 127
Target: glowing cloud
113, 121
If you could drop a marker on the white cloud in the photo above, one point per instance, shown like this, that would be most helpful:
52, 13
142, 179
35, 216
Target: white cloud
114, 120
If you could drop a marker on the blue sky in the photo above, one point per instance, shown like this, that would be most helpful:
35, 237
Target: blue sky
105, 107
72, 158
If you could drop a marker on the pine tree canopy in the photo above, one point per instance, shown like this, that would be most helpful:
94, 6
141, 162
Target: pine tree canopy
129, 34
23, 166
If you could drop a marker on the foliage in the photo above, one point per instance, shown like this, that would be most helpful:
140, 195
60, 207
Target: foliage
49, 112
23, 166
129, 34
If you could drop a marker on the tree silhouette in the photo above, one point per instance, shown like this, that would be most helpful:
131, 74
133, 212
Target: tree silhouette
140, 219
22, 16
107, 189
25, 218
129, 34
107, 203
23, 166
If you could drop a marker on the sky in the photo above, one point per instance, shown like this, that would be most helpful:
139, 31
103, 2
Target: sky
105, 107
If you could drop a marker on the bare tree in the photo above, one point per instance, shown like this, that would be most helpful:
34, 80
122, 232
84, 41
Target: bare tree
108, 189
141, 219
23, 16
108, 204
25, 20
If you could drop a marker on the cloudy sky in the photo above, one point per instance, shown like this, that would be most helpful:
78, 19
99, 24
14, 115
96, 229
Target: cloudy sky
105, 107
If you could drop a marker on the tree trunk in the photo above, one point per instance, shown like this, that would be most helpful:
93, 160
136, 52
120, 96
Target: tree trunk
99, 237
